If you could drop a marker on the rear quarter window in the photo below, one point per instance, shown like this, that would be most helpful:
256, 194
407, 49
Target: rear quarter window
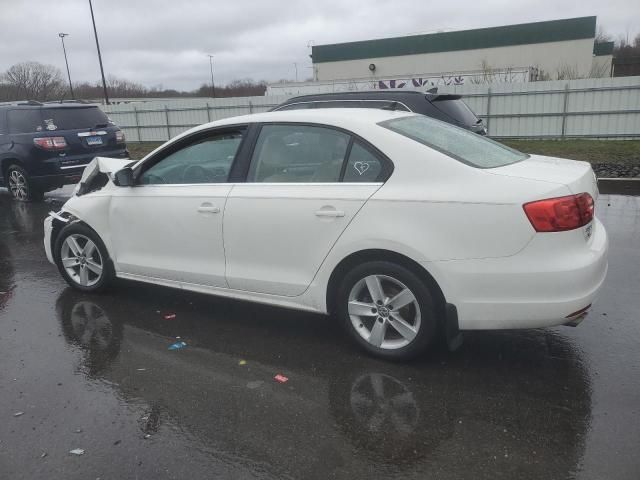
458, 143
24, 121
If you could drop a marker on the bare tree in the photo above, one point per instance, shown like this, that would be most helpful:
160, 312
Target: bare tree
34, 81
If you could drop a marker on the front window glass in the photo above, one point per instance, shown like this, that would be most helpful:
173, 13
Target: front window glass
207, 161
455, 142
298, 153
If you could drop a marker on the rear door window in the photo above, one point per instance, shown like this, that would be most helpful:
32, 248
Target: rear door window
74, 118
25, 120
362, 165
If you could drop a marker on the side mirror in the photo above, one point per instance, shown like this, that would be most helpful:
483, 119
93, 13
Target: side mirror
124, 177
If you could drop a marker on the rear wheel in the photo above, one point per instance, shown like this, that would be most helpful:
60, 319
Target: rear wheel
82, 259
21, 186
387, 309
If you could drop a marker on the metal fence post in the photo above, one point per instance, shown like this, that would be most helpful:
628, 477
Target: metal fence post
166, 117
208, 113
564, 110
488, 110
135, 113
250, 107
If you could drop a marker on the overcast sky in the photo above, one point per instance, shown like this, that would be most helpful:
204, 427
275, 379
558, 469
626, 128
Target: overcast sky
164, 43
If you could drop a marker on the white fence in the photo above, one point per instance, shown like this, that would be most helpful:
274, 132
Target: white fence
589, 108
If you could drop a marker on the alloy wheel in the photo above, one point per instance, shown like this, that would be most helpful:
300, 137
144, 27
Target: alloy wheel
82, 260
18, 185
384, 311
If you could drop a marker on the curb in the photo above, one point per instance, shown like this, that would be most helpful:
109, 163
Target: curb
624, 186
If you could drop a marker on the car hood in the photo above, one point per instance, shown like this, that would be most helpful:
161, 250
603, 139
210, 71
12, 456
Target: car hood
97, 166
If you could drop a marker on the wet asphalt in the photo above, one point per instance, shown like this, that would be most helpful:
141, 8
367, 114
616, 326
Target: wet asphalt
94, 372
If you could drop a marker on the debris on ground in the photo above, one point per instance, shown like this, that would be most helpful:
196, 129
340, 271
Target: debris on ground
77, 451
117, 442
18, 414
44, 454
169, 316
78, 430
177, 345
281, 378
141, 369
242, 362
255, 384
147, 436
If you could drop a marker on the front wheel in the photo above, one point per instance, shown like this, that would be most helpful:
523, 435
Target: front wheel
388, 310
82, 259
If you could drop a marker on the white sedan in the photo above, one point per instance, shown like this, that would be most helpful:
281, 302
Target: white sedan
400, 225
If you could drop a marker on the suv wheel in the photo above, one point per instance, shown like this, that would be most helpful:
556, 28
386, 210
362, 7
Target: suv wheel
387, 309
82, 259
20, 185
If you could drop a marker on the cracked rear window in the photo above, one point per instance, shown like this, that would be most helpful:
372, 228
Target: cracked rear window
459, 144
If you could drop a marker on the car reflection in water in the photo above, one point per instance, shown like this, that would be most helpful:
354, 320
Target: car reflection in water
507, 403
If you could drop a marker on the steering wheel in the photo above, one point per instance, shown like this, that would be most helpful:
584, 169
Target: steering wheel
152, 179
196, 174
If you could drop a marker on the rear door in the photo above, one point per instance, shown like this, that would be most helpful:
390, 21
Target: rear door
282, 222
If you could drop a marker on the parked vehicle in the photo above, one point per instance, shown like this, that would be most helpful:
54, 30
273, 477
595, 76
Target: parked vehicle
448, 108
46, 146
399, 224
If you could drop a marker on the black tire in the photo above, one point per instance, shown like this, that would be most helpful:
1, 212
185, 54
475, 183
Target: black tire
428, 326
96, 283
23, 193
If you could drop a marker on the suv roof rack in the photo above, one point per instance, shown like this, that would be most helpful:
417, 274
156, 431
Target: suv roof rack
67, 101
21, 102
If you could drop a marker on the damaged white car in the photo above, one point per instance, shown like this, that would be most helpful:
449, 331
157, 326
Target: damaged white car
401, 225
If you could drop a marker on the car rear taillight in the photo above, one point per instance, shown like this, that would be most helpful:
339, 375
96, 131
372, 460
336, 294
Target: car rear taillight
51, 143
119, 136
560, 214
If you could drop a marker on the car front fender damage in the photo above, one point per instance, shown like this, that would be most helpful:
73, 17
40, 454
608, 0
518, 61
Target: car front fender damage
98, 173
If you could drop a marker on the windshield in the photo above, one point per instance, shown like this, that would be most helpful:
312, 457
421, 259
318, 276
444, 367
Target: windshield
457, 110
455, 142
74, 118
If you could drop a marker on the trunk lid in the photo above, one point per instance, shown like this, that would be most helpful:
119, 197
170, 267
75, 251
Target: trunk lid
577, 176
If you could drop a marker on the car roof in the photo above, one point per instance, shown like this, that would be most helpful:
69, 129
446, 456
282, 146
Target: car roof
407, 95
34, 106
347, 118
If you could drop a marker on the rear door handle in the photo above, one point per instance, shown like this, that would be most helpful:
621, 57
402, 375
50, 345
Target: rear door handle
208, 208
329, 213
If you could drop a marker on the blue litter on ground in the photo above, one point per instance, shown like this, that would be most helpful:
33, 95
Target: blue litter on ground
177, 345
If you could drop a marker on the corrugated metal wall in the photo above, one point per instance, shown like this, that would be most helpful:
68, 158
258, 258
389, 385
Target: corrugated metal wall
589, 108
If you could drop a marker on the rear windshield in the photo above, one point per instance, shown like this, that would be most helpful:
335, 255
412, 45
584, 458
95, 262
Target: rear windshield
31, 120
457, 110
460, 144
74, 118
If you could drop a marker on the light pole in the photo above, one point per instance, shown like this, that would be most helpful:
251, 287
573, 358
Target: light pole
62, 35
213, 86
95, 32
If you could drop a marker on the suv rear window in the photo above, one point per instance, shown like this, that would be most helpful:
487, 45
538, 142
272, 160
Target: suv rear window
457, 110
75, 118
457, 143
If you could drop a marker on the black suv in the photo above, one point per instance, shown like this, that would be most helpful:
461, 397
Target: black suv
448, 108
46, 146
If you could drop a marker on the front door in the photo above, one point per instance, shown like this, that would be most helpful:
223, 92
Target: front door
169, 226
280, 225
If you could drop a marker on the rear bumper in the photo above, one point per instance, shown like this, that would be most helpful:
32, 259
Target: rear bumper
541, 286
57, 172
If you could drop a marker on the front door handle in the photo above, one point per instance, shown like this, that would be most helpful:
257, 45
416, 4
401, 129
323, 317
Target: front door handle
330, 213
208, 208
